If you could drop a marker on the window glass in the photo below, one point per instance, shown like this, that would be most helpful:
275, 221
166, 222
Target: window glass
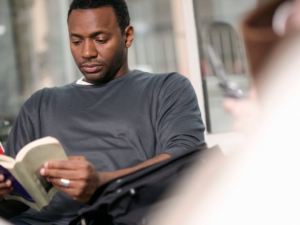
34, 53
9, 80
218, 23
159, 40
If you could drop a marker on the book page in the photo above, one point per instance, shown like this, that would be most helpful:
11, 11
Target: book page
7, 161
37, 143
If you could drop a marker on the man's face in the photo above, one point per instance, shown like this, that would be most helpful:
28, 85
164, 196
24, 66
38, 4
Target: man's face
97, 44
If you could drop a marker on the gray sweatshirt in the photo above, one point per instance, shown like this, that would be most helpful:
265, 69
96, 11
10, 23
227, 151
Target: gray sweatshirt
115, 125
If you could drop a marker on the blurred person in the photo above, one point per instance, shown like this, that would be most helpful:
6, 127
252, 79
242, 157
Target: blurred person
259, 184
112, 122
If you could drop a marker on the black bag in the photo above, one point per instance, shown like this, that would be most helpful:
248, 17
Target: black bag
126, 200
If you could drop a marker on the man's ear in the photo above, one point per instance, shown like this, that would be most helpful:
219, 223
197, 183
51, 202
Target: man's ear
128, 33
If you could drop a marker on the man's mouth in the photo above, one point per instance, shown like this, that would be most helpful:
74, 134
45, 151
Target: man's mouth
91, 68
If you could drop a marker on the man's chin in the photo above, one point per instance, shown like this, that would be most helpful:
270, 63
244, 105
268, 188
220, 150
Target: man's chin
94, 78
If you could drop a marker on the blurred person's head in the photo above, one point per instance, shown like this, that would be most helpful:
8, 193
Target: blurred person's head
264, 27
100, 34
259, 37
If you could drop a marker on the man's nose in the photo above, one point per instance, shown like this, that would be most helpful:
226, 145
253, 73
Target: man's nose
89, 49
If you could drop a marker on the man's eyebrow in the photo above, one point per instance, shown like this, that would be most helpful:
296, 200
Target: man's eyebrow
75, 35
92, 35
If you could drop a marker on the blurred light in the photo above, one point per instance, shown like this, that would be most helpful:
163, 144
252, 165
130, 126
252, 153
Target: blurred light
2, 30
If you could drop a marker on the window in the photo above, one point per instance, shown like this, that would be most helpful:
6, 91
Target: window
159, 40
34, 53
217, 23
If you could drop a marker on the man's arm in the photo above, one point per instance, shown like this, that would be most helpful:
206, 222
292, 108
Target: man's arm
23, 125
83, 176
107, 176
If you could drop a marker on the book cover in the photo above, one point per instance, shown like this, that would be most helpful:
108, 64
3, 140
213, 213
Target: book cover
18, 188
1, 149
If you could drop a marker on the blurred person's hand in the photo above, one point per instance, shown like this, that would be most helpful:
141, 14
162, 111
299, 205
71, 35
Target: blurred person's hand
5, 186
244, 110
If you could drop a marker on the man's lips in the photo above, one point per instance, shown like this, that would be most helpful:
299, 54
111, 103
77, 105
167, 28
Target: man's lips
92, 68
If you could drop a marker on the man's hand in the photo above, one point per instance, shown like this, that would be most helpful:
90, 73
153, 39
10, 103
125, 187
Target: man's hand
83, 176
5, 186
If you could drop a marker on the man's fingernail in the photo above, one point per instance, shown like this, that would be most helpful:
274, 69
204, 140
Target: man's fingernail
1, 177
8, 183
42, 171
46, 165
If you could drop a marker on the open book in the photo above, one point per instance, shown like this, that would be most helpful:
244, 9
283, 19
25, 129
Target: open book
30, 187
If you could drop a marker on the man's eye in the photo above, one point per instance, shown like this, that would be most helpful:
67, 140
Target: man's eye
101, 41
76, 42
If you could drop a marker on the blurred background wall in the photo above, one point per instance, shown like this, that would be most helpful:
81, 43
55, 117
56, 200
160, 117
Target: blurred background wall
34, 48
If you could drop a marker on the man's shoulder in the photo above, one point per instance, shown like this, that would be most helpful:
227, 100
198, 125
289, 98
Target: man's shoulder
153, 75
44, 95
159, 77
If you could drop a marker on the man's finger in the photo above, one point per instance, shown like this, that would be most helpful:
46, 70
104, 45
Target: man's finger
5, 184
77, 158
59, 173
69, 191
57, 182
6, 190
73, 193
63, 165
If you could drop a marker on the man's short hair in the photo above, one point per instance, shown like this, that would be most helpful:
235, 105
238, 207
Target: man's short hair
119, 6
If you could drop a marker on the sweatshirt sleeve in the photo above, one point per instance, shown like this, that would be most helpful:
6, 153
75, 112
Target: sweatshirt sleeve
179, 125
25, 128
22, 132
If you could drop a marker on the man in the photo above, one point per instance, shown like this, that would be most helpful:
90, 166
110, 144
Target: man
112, 122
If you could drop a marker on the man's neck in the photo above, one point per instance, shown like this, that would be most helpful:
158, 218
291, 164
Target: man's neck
121, 72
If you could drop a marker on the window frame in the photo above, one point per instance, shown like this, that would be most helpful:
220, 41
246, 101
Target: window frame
228, 141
